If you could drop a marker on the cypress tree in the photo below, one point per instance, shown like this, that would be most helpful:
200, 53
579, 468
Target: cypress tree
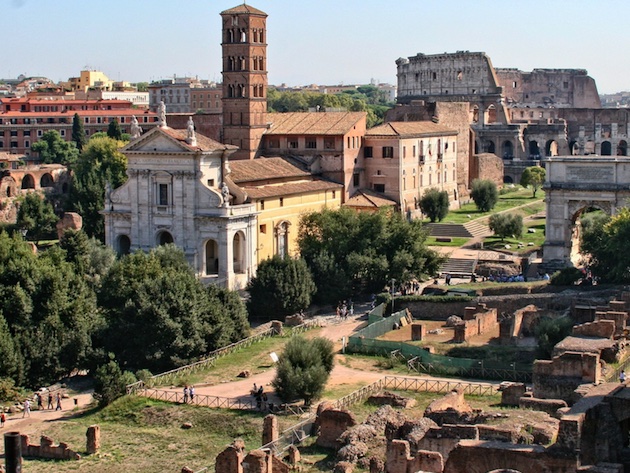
78, 132
113, 130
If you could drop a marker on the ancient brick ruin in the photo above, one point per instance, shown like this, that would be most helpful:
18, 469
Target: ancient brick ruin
477, 320
47, 449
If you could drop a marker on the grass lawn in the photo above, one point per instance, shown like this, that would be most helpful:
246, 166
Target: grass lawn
142, 435
537, 238
455, 242
514, 198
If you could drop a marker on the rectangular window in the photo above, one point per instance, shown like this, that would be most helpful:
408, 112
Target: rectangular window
13, 132
14, 144
404, 151
311, 143
413, 151
388, 152
355, 180
263, 228
27, 144
262, 205
379, 187
293, 144
1, 144
86, 119
210, 182
62, 132
368, 152
281, 201
162, 194
26, 132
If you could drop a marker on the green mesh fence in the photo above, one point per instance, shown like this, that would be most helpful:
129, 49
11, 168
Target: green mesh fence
365, 342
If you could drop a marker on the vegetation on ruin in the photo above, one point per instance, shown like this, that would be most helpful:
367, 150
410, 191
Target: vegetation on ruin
53, 149
351, 252
551, 331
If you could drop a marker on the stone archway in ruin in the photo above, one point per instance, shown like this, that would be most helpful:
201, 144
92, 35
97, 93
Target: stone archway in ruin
575, 184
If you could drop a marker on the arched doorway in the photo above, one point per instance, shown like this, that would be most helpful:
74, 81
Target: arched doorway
238, 252
474, 114
123, 245
212, 258
28, 182
164, 238
508, 150
488, 146
491, 114
508, 180
551, 148
534, 150
606, 148
622, 148
46, 181
574, 147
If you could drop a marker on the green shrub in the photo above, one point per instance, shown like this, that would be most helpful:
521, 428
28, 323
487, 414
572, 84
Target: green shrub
566, 277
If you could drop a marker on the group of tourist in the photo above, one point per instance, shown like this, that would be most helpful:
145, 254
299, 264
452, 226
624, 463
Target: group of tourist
26, 406
345, 309
189, 393
259, 394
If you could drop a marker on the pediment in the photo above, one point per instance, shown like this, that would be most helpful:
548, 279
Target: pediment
156, 141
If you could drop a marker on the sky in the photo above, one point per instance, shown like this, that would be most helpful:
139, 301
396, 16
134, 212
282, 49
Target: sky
312, 42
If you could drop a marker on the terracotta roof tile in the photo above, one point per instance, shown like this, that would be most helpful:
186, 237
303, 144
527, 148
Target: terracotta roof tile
290, 188
410, 129
203, 142
264, 168
244, 8
313, 123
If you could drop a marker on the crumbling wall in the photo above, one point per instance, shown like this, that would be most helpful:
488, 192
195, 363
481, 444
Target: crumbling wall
477, 320
332, 423
559, 377
600, 328
47, 449
486, 166
400, 460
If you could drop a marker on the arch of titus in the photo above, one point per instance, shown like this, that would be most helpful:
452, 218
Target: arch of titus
573, 185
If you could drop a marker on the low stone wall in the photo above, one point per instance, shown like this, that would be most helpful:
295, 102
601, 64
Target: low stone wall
47, 449
599, 328
477, 320
550, 406
559, 377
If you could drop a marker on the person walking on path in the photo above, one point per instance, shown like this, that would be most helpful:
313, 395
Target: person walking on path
186, 394
27, 409
40, 402
50, 401
192, 394
622, 377
3, 419
58, 408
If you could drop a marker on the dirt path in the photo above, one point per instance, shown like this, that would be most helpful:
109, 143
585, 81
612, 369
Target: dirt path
32, 424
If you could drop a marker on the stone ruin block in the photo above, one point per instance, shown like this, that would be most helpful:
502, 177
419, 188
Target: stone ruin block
93, 442
559, 377
256, 461
599, 328
391, 399
276, 326
332, 423
271, 430
449, 408
550, 406
47, 449
418, 331
69, 221
497, 434
343, 467
293, 454
399, 459
294, 320
230, 459
512, 393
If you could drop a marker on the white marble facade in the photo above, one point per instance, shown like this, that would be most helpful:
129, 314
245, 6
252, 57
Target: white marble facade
173, 194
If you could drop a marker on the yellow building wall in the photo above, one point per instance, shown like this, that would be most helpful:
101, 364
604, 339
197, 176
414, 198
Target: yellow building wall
276, 210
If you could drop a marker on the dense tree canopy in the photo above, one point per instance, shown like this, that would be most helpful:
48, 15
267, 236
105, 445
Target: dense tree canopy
100, 163
434, 204
114, 131
364, 99
485, 194
53, 149
282, 286
49, 309
171, 317
350, 251
606, 243
533, 176
37, 217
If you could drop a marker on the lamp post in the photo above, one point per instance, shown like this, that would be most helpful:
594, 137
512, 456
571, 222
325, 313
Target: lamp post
393, 281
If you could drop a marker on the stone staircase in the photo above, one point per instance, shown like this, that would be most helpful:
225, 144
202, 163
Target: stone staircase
477, 229
459, 267
453, 230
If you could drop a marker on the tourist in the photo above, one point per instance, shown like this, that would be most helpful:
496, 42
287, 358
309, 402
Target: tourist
622, 377
50, 400
3, 418
192, 394
185, 394
27, 409
40, 402
58, 408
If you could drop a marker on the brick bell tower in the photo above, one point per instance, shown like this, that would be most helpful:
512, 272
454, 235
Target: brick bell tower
244, 79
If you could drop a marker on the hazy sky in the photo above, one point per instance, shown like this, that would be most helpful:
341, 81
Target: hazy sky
313, 42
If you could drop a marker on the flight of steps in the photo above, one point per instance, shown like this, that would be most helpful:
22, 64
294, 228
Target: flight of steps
453, 230
459, 267
477, 229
